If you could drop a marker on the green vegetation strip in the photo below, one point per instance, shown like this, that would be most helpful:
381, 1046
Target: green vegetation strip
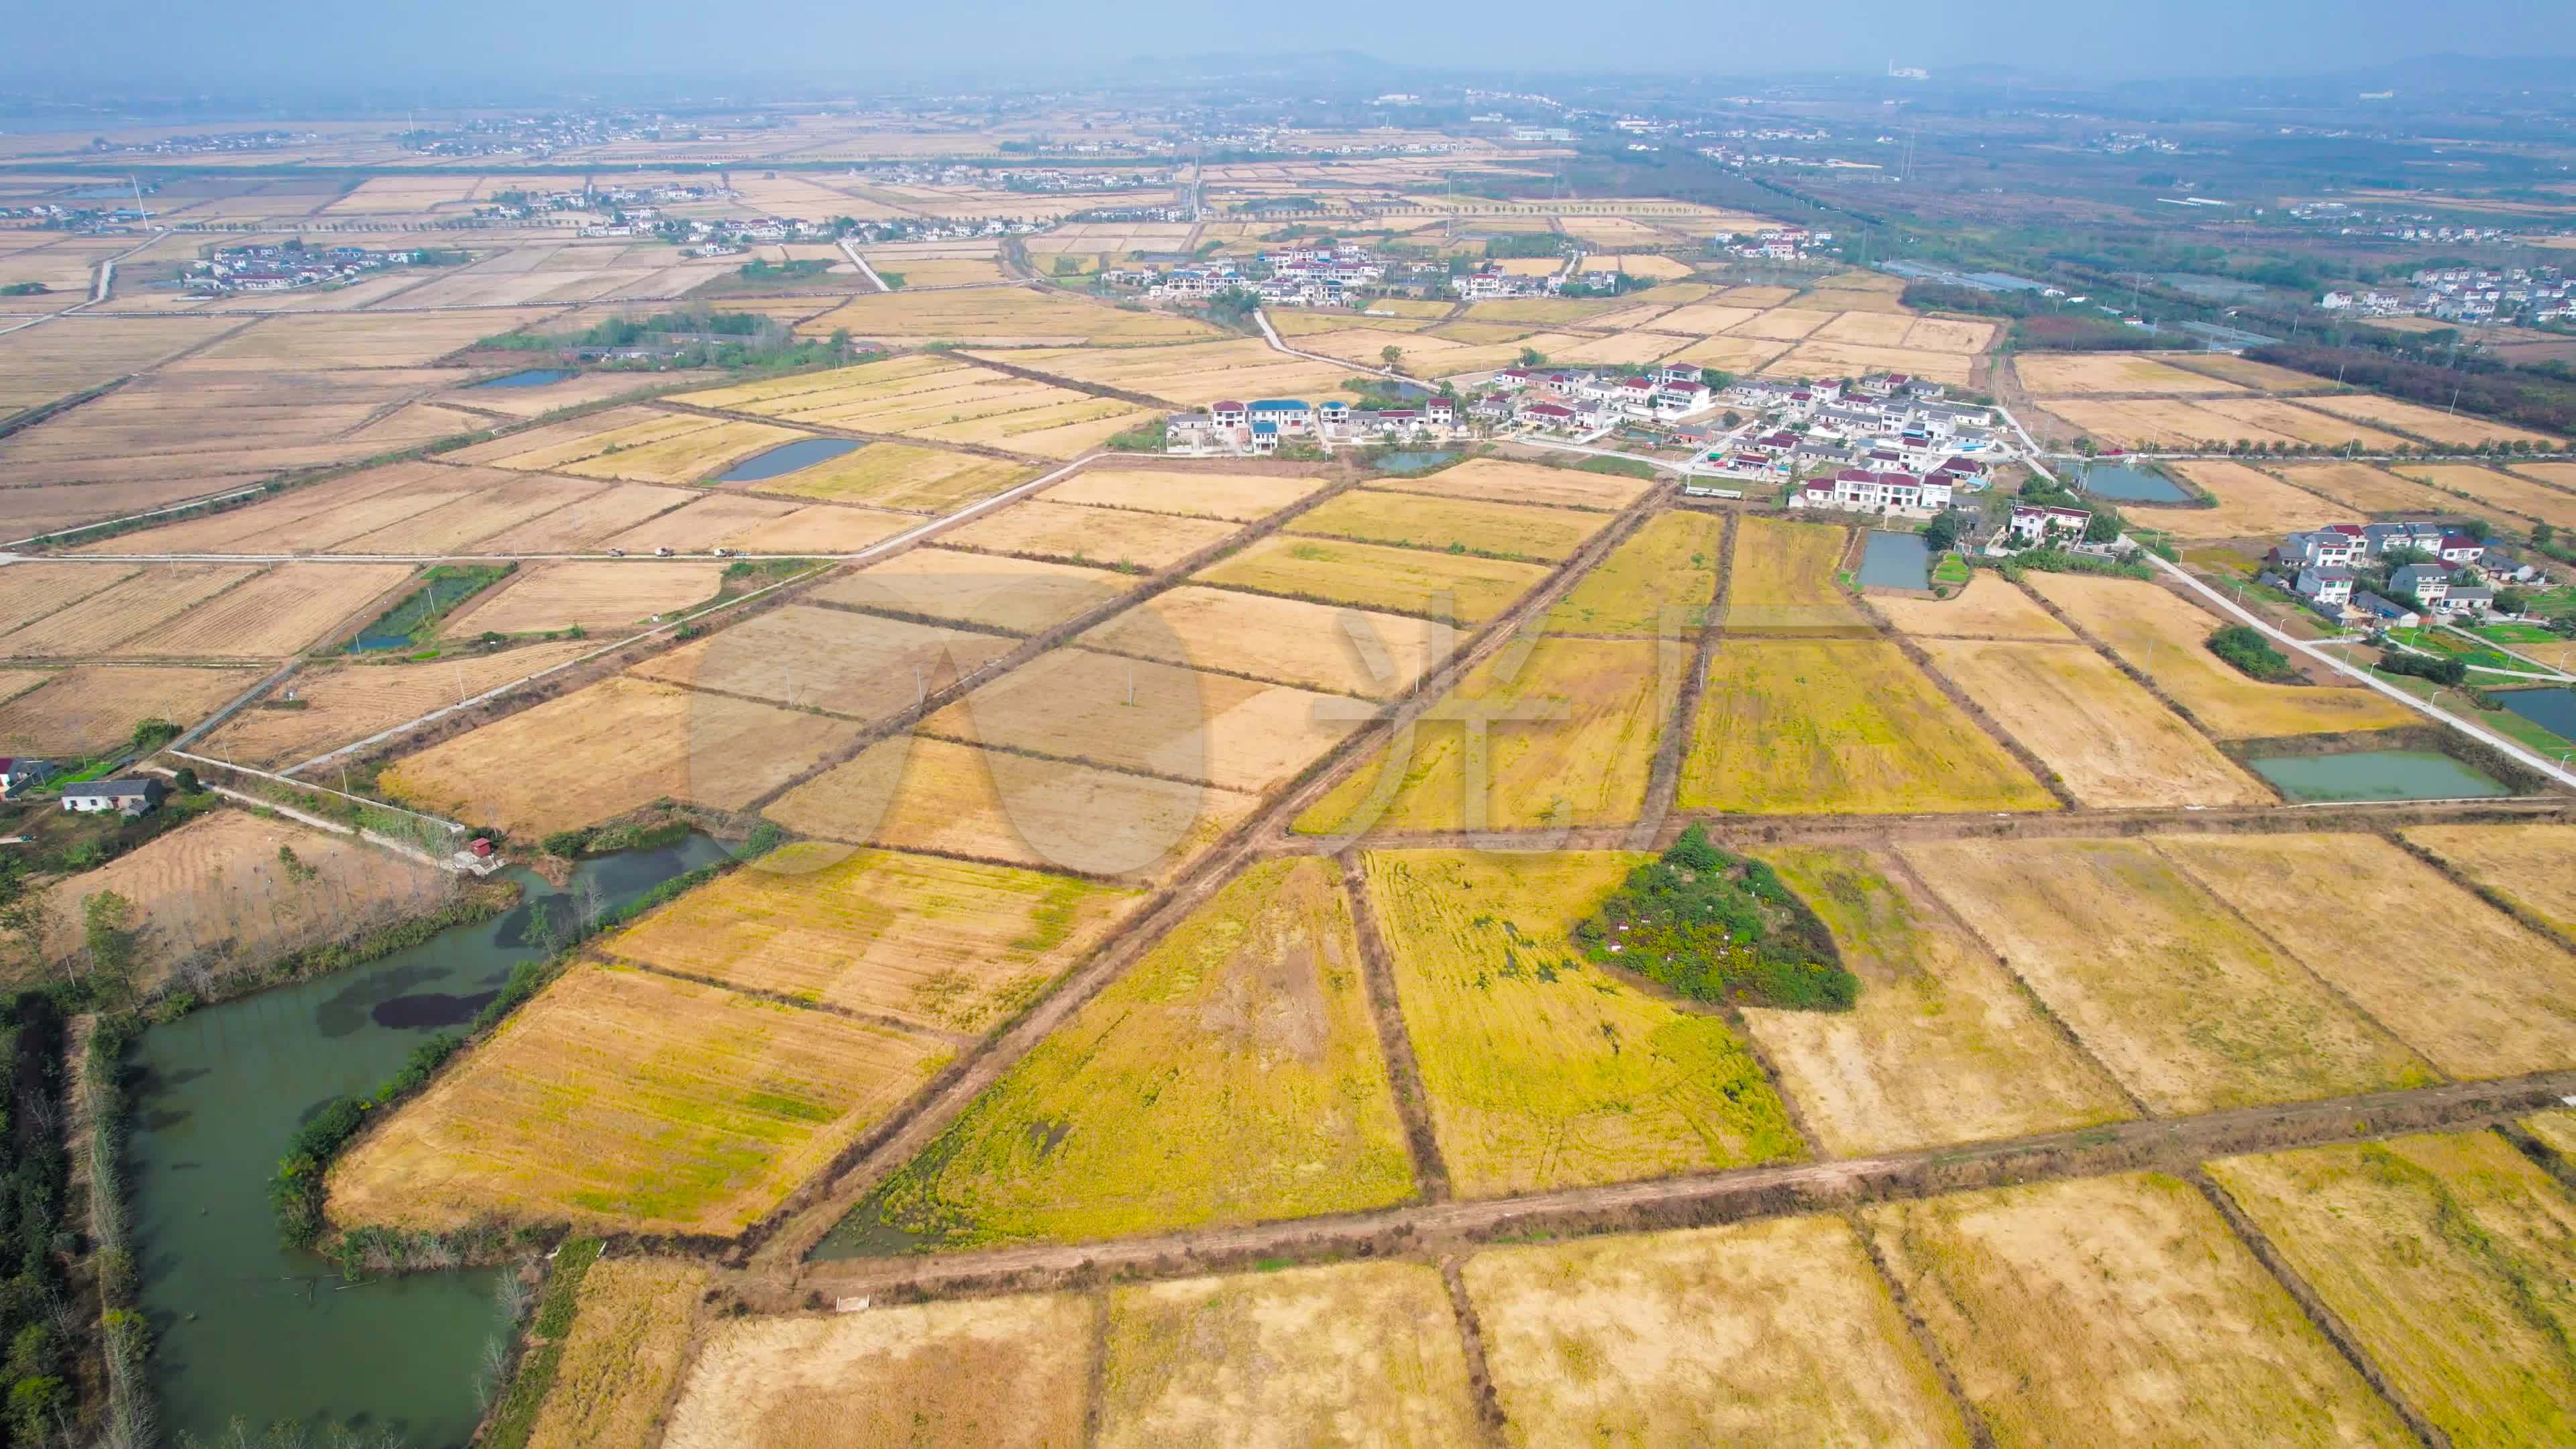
2244, 646
515, 1417
1717, 927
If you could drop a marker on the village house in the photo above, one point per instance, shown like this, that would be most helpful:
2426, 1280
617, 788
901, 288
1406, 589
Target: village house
2037, 523
2328, 587
2384, 612
131, 796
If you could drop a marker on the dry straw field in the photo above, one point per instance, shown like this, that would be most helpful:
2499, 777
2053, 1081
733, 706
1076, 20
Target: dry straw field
938, 398
1990, 607
1662, 580
631, 1331
1072, 533
2248, 504
1241, 497
2365, 489
1498, 480
989, 591
1454, 525
593, 595
89, 709
2089, 374
1193, 373
1462, 588
1000, 317
833, 661
339, 704
2533, 866
1780, 579
1283, 641
2553, 506
903, 476
2458, 430
2112, 744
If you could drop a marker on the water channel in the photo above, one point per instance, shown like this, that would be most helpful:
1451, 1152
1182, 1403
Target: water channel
246, 1328
787, 458
2377, 775
529, 377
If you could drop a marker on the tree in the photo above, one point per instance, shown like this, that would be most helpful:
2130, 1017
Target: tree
186, 780
1532, 357
2542, 533
1390, 354
2512, 601
1942, 532
2105, 526
107, 931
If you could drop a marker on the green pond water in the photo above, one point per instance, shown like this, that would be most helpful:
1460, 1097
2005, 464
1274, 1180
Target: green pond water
2377, 775
246, 1328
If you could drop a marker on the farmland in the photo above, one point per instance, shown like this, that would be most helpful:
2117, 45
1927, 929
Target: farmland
2457, 430
136, 606
1487, 530
1774, 1332
2189, 1005
1818, 358
1284, 641
901, 475
1544, 1072
1230, 1076
1498, 480
1990, 607
1020, 596
937, 398
1835, 726
347, 702
1372, 576
277, 613
2175, 424
699, 453
30, 591
2083, 374
2501, 490
2365, 489
1241, 497
2119, 1305
2250, 504
2533, 866
1780, 579
1194, 373
1662, 579
999, 316
2111, 743
1072, 533
829, 660
91, 708
593, 595
630, 1334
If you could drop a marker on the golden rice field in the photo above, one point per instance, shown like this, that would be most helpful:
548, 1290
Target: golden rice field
2363, 488
624, 1100
1662, 580
687, 457
833, 660
1072, 533
2460, 430
1020, 596
2112, 745
2450, 1258
1773, 1332
89, 709
940, 398
2488, 486
2249, 504
31, 590
943, 945
1459, 587
40, 364
2083, 374
2532, 866
902, 475
1546, 311
1942, 1045
1780, 579
1990, 607
1816, 357
1544, 1072
2119, 1307
2262, 376
631, 1330
1192, 373
1241, 497
1454, 525
1283, 641
1498, 480
1230, 1076
2188, 1004
1839, 726
1000, 316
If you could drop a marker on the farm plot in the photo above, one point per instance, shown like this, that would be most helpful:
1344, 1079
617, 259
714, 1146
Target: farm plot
988, 1373
592, 595
2499, 1001
901, 475
2250, 504
479, 503
1544, 311
1781, 579
1934, 1008
289, 608
2172, 424
1662, 580
818, 529
2164, 636
2119, 1307
304, 519
1240, 497
1456, 525
689, 456
1464, 588
1701, 319
1988, 608
1196, 373
1874, 329
627, 1101
1623, 349
1784, 324
1231, 1076
719, 519
830, 660
2187, 1003
1789, 726
1352, 1353
632, 1324
2297, 422
1769, 1333
360, 339
580, 525
1942, 334
1815, 358
1155, 719
991, 591
1740, 355
925, 794
606, 749
30, 590
138, 606
1001, 316
944, 945
938, 398
1497, 480
40, 364
2111, 743
2261, 376
1284, 641
2500, 490
2098, 374
340, 704
2459, 430
938, 271
2365, 489
1550, 731
1544, 1072
2450, 1259
2532, 866
1072, 533
89, 709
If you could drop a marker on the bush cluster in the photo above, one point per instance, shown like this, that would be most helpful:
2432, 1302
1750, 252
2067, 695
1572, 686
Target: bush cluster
1715, 927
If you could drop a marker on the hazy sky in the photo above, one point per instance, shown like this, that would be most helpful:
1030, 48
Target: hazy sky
339, 47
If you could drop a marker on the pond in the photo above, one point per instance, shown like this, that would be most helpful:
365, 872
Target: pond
2130, 485
2552, 709
246, 1328
788, 457
2377, 775
1413, 462
1896, 561
529, 377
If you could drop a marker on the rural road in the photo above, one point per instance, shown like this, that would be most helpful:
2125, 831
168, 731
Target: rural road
850, 249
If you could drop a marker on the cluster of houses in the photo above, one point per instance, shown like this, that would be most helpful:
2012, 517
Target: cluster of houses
284, 268
2454, 577
2468, 294
1261, 426
1777, 244
1887, 443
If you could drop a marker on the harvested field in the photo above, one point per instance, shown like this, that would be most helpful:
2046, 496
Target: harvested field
1070, 533
1544, 1072
689, 457
361, 339
718, 520
1231, 1076
627, 1101
1990, 607
1284, 641
2164, 636
1875, 329
2262, 376
1770, 1333
90, 709
820, 528
472, 512
32, 589
1661, 581
1372, 576
584, 523
1814, 358
915, 793
138, 606
1782, 579
594, 595
902, 475
943, 945
1157, 719
1785, 324
630, 1334
2294, 421
1022, 596
1454, 525
2250, 504
1195, 373
1545, 311
2501, 490
2533, 866
2498, 1000
1756, 296
1353, 1353
1942, 334
2450, 1258
989, 1373
831, 660
2365, 489
2153, 425
289, 608
2094, 374
943, 399
57, 359
1934, 1008
1848, 726
1498, 480
2457, 429
1624, 349
2112, 744
573, 439
1241, 497
343, 703
606, 749
2187, 1003
1000, 316
1700, 319
2119, 1308
1739, 355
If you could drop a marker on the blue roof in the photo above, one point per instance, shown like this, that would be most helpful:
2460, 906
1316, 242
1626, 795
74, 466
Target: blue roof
1281, 405
1263, 429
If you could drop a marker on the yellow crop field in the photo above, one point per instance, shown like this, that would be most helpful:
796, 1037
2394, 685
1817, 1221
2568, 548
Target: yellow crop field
1353, 1353
1942, 334
2119, 1305
1739, 355
1817, 358
2552, 506
940, 398
556, 444
136, 608
594, 595
1990, 607
2135, 618
1770, 1333
2111, 743
902, 475
585, 522
834, 660
1289, 322
2434, 426
2250, 504
2262, 376
1073, 533
2291, 420
2169, 424
2363, 488
31, 590
1700, 319
630, 1333
998, 316
1941, 1047
289, 608
40, 364
2533, 866
916, 793
2093, 374
1284, 641
688, 457
2450, 1258
1023, 596
340, 704
1499, 480
1839, 726
1781, 579
1661, 581
89, 709
1544, 1072
988, 1373
1241, 497
2188, 1004
606, 749
1782, 324
1194, 373
629, 1101
362, 339
1623, 349
1545, 311
1373, 576
1756, 297
1875, 329
1231, 1076
1488, 530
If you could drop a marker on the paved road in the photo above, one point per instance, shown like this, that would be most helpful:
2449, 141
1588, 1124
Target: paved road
850, 249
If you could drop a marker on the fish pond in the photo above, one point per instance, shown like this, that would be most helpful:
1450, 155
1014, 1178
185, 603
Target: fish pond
787, 458
1896, 561
2552, 709
2124, 484
2377, 775
529, 377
